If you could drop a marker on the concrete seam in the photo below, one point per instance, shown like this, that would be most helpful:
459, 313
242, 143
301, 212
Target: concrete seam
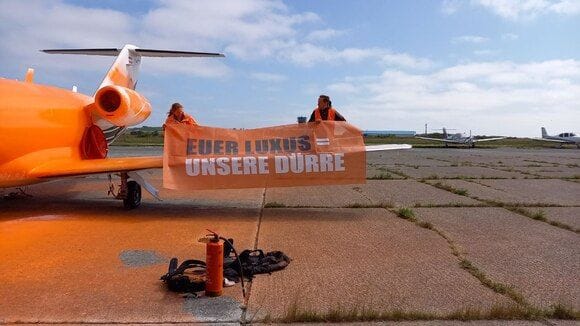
359, 190
461, 258
512, 207
118, 323
535, 176
260, 219
399, 173
243, 319
547, 322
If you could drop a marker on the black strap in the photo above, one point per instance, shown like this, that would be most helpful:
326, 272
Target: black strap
178, 282
256, 262
252, 262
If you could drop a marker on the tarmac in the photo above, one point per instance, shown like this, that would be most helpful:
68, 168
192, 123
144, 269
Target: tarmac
487, 228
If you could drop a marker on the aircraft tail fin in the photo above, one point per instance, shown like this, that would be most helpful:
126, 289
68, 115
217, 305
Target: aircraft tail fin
544, 133
125, 69
444, 133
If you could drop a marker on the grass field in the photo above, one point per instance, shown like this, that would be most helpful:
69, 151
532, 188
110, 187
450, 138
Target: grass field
145, 139
508, 142
155, 138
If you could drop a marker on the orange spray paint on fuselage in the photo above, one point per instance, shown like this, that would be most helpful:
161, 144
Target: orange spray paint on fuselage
37, 124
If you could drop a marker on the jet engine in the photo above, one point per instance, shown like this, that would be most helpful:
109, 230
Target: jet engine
121, 106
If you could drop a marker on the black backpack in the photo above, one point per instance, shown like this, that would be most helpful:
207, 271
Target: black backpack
177, 281
255, 262
252, 262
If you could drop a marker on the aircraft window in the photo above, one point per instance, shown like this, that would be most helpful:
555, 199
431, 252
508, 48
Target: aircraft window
561, 135
572, 135
565, 134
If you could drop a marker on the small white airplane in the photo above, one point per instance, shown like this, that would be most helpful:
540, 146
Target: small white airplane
563, 138
460, 138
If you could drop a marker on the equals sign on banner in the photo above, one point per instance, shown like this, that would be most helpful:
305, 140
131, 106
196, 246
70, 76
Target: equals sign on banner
322, 141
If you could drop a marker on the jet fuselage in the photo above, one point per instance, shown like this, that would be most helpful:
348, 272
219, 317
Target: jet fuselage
37, 124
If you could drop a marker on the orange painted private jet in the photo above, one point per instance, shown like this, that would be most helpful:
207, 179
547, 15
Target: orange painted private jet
48, 132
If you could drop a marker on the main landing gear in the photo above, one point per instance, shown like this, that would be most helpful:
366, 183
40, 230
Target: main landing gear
129, 191
133, 197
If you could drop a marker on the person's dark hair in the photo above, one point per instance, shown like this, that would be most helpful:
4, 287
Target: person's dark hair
326, 99
174, 107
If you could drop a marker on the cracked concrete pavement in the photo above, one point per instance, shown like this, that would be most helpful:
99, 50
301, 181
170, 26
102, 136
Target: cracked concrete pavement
70, 255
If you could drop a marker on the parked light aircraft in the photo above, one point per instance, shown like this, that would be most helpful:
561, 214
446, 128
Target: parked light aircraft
49, 133
460, 138
563, 138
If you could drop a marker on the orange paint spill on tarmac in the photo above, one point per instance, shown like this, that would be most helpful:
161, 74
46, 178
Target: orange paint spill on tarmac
79, 259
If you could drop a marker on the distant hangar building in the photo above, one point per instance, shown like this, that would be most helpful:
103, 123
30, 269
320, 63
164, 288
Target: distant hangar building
389, 133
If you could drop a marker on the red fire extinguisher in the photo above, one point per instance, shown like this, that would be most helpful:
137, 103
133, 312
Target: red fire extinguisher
214, 259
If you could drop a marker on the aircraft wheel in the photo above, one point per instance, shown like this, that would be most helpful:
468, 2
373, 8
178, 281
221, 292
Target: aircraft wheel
133, 199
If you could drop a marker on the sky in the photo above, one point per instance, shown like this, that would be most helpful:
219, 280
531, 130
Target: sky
495, 67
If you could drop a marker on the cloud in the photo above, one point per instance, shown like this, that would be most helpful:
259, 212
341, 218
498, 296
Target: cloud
308, 54
268, 77
201, 67
28, 26
469, 39
248, 30
566, 7
449, 7
323, 34
251, 29
488, 97
509, 37
529, 9
486, 52
343, 88
405, 60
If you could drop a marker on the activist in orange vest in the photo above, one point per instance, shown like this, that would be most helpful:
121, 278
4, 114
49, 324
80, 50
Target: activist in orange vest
325, 111
176, 115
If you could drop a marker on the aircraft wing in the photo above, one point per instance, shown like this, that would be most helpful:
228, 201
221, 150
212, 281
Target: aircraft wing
64, 168
488, 139
386, 147
552, 140
441, 139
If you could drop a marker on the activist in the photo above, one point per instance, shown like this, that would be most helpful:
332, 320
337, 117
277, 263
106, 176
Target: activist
325, 111
176, 115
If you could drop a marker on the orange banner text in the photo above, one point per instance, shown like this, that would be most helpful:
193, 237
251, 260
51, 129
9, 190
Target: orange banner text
318, 153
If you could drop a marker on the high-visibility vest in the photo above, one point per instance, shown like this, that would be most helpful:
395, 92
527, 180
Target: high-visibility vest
318, 116
187, 119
